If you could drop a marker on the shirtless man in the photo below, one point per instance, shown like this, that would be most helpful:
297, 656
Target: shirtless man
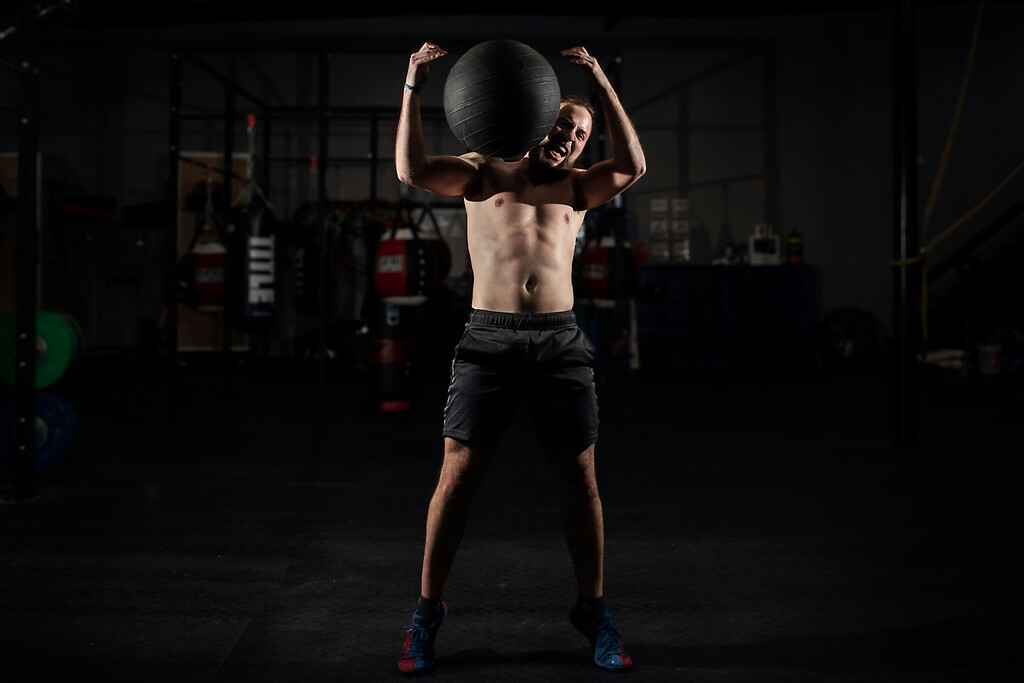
522, 340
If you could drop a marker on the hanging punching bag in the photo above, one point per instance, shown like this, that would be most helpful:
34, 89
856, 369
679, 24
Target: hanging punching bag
389, 355
609, 270
312, 231
405, 268
201, 268
208, 259
252, 283
437, 245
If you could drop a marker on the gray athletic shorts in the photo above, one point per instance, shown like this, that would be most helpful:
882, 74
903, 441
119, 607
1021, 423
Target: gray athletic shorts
542, 360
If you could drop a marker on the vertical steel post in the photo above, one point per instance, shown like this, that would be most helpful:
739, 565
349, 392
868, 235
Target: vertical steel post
235, 240
374, 153
683, 137
171, 276
26, 265
323, 105
773, 209
907, 279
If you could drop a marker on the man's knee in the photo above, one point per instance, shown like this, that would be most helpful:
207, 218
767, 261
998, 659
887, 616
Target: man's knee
462, 471
575, 475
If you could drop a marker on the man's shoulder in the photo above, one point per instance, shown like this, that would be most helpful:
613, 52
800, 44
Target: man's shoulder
490, 166
491, 162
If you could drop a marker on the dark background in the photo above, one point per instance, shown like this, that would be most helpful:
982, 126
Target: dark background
805, 479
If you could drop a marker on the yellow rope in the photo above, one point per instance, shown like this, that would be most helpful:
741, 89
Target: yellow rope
977, 208
926, 250
958, 223
947, 151
954, 124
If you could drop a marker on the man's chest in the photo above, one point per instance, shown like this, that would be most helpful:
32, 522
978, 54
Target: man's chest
507, 211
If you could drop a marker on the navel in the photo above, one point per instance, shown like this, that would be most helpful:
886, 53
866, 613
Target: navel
531, 284
499, 201
566, 217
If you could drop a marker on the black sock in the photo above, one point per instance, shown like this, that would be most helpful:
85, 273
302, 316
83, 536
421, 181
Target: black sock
428, 608
591, 607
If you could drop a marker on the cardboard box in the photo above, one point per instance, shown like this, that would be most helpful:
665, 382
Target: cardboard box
680, 229
659, 207
659, 229
681, 250
681, 207
659, 251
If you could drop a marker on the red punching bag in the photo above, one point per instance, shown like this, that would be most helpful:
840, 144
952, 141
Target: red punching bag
390, 349
201, 269
404, 266
208, 252
608, 271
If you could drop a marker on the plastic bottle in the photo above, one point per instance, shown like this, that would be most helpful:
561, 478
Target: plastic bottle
794, 247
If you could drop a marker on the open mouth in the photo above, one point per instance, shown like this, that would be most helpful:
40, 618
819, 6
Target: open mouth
557, 152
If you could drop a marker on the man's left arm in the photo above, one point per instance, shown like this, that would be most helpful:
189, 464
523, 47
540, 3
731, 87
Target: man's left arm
610, 177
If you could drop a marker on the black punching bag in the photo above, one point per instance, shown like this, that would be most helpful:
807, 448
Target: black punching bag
252, 265
252, 258
501, 98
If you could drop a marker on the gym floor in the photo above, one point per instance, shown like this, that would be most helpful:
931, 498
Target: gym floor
760, 523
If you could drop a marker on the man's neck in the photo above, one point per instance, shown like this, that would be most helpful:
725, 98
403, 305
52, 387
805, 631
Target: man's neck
538, 174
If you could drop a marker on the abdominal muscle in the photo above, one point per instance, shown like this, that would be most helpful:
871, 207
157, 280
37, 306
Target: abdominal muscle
521, 255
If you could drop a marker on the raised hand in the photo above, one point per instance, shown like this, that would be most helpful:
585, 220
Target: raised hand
579, 55
419, 63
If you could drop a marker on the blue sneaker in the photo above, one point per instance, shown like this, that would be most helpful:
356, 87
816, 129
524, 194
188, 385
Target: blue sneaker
418, 650
605, 644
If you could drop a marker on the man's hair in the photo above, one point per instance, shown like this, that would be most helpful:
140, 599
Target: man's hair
582, 101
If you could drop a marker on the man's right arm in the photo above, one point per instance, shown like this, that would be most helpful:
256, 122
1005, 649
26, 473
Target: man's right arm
444, 175
608, 178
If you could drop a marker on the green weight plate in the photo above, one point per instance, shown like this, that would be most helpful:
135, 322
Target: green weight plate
57, 347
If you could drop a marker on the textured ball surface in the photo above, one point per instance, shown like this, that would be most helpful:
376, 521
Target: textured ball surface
501, 98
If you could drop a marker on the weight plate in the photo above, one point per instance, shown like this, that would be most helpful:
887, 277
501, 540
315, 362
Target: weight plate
59, 344
57, 429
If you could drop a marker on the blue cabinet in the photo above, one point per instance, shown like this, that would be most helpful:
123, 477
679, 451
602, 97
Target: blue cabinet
720, 316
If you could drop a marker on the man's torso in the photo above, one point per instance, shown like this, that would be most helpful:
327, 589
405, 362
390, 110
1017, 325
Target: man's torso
522, 237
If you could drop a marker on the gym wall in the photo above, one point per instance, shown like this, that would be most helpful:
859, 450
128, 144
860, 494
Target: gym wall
830, 80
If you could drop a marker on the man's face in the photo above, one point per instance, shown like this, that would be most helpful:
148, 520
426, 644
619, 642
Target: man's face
560, 149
